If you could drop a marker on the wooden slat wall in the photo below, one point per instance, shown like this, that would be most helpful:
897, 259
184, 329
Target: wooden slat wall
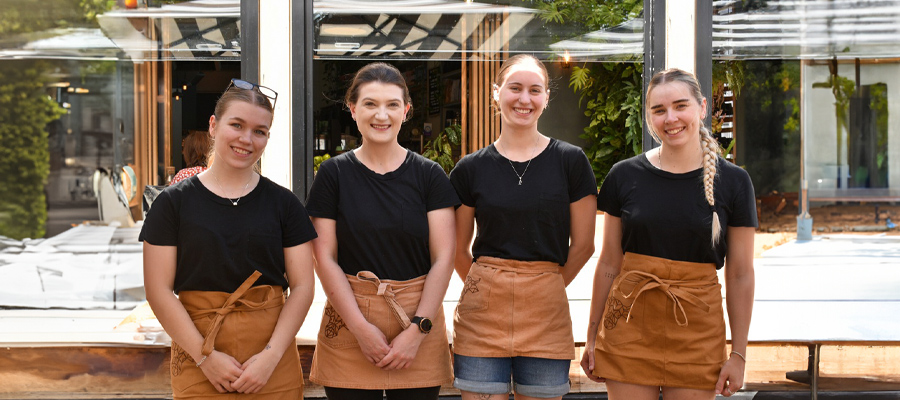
480, 125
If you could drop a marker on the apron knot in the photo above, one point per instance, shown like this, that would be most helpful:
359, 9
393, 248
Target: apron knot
387, 293
674, 289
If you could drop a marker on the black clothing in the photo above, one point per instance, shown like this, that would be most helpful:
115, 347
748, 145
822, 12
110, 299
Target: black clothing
381, 220
427, 393
220, 244
666, 215
527, 222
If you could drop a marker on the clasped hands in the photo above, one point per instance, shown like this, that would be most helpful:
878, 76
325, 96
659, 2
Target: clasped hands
398, 354
228, 375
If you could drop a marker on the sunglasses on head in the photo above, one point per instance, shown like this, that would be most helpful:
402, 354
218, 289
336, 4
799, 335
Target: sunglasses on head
263, 90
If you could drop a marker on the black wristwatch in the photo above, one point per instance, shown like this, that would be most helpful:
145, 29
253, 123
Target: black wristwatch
423, 322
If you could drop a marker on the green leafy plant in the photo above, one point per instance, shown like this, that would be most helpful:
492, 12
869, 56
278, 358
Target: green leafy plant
611, 96
25, 111
609, 92
440, 148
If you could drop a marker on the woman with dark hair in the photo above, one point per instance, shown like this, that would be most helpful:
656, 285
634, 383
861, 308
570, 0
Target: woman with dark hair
384, 255
195, 149
220, 250
533, 199
674, 215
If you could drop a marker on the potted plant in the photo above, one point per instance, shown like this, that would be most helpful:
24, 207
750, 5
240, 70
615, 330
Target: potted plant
440, 149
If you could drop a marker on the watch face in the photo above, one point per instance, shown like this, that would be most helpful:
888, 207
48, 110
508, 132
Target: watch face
425, 325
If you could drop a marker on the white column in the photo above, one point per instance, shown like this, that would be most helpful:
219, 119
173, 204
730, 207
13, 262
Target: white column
681, 31
275, 72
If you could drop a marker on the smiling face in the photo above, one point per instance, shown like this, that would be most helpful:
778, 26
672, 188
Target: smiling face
379, 111
674, 114
522, 96
241, 133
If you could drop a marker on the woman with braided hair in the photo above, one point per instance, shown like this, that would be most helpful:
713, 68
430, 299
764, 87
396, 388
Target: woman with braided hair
674, 215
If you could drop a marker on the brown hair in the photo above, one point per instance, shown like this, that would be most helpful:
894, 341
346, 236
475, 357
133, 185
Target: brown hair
709, 145
503, 72
251, 96
196, 148
378, 72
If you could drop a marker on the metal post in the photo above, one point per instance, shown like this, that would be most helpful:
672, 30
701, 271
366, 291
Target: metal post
654, 50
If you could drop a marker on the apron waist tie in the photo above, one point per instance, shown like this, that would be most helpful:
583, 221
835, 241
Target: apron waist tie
209, 339
672, 288
386, 291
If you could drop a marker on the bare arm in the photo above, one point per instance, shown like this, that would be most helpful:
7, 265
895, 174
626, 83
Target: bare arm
372, 341
442, 244
583, 216
608, 267
159, 280
298, 263
465, 230
739, 292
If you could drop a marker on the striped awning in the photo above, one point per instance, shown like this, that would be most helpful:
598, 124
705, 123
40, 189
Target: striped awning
414, 29
200, 29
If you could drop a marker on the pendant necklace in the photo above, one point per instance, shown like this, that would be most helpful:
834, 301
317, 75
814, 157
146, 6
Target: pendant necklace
533, 149
235, 201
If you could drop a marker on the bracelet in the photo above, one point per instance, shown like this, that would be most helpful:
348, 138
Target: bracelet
739, 355
201, 361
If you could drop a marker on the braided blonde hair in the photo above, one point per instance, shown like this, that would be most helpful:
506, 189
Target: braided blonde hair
708, 144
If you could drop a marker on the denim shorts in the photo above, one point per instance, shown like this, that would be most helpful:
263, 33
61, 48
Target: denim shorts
535, 377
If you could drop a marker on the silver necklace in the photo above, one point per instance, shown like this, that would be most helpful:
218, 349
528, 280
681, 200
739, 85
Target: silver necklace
533, 149
233, 202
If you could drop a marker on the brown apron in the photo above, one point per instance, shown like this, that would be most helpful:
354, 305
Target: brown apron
663, 325
387, 304
512, 308
239, 324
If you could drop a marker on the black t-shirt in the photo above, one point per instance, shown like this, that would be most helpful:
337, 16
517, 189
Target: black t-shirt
666, 215
528, 222
220, 244
381, 220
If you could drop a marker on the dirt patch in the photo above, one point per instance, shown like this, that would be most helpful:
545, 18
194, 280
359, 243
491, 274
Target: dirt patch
859, 218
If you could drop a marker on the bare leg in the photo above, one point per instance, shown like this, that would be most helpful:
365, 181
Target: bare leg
523, 397
670, 393
629, 391
482, 396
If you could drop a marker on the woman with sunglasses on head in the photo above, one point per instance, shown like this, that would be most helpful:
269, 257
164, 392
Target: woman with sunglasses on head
533, 199
220, 249
674, 215
384, 255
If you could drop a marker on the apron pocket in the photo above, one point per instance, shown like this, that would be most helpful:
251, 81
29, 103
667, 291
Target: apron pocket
184, 372
615, 329
476, 293
333, 331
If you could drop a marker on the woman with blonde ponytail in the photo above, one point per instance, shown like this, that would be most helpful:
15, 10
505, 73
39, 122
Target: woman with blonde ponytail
674, 215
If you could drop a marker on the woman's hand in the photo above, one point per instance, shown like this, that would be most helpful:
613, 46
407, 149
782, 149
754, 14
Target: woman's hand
221, 369
731, 378
587, 362
256, 371
403, 349
372, 342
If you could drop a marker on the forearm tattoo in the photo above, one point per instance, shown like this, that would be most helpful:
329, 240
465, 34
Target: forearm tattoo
610, 275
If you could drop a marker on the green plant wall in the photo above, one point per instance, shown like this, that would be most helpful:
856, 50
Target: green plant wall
25, 111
